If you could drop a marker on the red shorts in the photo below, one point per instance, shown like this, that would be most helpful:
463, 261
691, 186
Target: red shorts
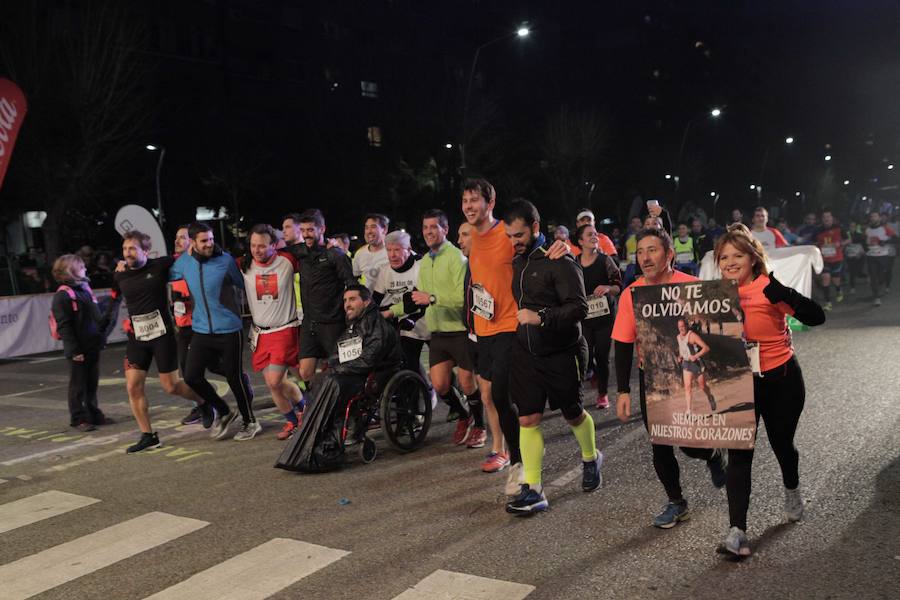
280, 348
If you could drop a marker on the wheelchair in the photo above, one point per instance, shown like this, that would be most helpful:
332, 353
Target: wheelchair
396, 401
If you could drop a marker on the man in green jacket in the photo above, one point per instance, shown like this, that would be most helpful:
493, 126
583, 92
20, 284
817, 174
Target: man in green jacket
441, 289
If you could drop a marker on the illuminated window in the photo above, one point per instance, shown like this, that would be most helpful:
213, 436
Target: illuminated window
369, 89
374, 135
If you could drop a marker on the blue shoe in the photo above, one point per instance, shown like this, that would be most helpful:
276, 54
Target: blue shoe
528, 502
717, 465
672, 514
591, 479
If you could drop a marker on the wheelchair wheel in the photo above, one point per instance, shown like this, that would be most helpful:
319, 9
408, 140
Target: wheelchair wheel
367, 450
405, 410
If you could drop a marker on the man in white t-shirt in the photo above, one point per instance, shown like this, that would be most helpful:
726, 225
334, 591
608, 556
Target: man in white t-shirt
880, 240
372, 257
269, 282
769, 237
395, 280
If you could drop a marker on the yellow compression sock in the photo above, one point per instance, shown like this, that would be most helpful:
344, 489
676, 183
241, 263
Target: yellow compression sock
587, 437
531, 444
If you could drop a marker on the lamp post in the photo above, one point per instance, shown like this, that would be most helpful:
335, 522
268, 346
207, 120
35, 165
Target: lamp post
715, 113
789, 140
521, 32
159, 164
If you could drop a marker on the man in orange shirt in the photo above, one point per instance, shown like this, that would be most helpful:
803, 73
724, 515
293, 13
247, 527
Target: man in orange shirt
495, 310
655, 254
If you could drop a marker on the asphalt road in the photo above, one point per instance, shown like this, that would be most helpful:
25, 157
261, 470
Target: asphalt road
430, 524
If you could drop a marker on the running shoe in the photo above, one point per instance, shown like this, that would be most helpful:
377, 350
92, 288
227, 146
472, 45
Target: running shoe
462, 431
827, 306
839, 298
672, 514
527, 502
195, 416
736, 542
220, 425
84, 427
247, 431
495, 462
602, 401
477, 438
147, 441
717, 465
515, 478
287, 431
591, 479
793, 504
207, 415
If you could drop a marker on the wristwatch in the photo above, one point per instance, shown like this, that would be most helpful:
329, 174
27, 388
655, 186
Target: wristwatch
432, 299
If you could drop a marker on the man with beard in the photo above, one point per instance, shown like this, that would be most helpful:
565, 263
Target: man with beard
372, 257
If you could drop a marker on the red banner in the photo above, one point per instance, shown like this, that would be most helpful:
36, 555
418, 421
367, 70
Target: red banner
12, 112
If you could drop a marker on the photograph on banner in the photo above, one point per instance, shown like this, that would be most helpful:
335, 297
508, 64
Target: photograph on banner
697, 375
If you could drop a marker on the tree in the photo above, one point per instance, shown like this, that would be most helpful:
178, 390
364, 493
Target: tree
572, 145
82, 72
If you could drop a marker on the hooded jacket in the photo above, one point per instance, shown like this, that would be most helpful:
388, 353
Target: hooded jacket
555, 290
380, 344
217, 285
82, 331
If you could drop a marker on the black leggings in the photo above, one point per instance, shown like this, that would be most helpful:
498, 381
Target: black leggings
664, 460
879, 268
779, 397
84, 377
209, 350
412, 350
599, 341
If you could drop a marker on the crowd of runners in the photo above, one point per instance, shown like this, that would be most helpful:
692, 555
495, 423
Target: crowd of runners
514, 317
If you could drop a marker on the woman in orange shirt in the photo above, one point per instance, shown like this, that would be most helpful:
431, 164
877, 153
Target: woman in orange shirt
778, 389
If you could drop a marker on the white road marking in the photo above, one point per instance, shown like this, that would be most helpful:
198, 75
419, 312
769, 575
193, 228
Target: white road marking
255, 574
40, 389
447, 585
91, 441
2, 481
39, 507
46, 570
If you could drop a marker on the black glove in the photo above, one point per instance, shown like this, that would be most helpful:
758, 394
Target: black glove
776, 292
409, 306
407, 324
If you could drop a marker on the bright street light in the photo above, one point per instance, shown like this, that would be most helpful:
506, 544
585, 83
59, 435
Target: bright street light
523, 31
788, 140
752, 186
712, 194
151, 147
890, 167
827, 157
448, 146
797, 193
668, 176
715, 112
846, 182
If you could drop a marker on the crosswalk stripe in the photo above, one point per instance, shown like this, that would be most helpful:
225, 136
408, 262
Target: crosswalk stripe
2, 481
255, 574
46, 570
39, 507
447, 585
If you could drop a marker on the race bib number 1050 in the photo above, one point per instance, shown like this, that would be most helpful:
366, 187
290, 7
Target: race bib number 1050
349, 349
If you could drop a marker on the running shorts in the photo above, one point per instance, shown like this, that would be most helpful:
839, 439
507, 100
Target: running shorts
139, 355
450, 346
280, 348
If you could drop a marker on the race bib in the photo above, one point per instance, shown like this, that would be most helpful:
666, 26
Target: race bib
349, 349
598, 306
253, 337
482, 302
684, 257
752, 349
853, 250
149, 326
179, 308
829, 251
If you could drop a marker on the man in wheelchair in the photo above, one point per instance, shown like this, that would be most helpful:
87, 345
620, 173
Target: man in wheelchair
369, 344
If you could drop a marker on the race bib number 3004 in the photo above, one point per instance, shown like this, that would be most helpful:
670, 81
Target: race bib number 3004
349, 349
149, 326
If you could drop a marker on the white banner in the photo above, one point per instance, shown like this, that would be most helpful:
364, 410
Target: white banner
24, 327
793, 266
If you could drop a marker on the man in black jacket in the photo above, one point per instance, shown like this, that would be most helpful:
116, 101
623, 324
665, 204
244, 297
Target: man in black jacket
549, 355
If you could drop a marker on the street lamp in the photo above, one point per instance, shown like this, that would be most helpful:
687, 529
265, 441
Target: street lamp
846, 182
827, 157
752, 186
448, 146
715, 113
522, 32
159, 164
788, 140
890, 167
668, 176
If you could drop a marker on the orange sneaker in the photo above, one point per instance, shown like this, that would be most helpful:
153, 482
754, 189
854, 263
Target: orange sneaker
495, 462
286, 431
462, 431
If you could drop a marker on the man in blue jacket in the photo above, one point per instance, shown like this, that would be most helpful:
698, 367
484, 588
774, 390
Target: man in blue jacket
217, 286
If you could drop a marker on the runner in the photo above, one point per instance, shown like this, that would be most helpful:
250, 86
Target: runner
372, 257
441, 289
655, 255
778, 389
855, 253
490, 261
878, 254
769, 237
325, 272
586, 217
290, 228
603, 283
548, 354
269, 281
213, 277
143, 284
691, 350
686, 255
831, 240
